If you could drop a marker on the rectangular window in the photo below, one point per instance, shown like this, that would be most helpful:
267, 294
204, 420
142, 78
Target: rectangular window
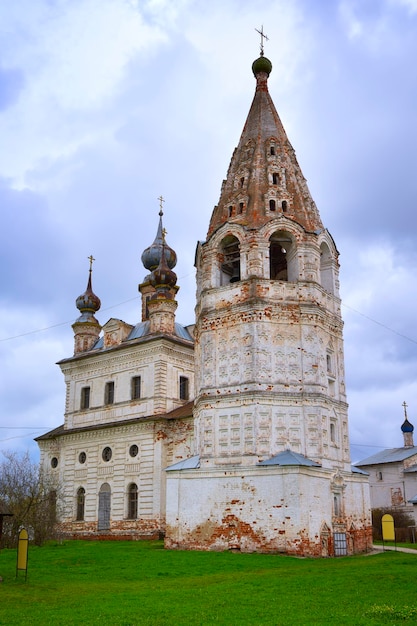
184, 392
85, 397
136, 387
109, 393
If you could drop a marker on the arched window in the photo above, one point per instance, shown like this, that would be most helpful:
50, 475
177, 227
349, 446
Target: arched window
275, 178
326, 268
80, 504
104, 503
284, 206
272, 205
132, 501
283, 260
230, 255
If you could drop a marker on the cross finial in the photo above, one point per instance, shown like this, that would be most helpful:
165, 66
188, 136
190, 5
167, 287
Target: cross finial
161, 200
164, 232
405, 409
91, 259
261, 32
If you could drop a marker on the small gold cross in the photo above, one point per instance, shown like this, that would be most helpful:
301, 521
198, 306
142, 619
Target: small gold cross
91, 259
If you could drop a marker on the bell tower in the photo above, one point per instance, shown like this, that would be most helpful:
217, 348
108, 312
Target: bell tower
269, 345
271, 470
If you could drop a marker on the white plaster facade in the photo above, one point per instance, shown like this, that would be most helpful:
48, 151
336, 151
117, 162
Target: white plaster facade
260, 460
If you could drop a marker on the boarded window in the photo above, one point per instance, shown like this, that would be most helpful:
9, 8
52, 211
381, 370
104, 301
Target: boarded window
104, 503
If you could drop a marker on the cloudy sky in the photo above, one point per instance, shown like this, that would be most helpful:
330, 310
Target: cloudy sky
106, 104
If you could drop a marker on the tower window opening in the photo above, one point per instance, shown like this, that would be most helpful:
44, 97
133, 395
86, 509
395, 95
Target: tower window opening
230, 211
275, 178
241, 206
230, 267
272, 205
332, 432
329, 363
284, 206
242, 181
184, 388
109, 393
85, 397
272, 151
278, 261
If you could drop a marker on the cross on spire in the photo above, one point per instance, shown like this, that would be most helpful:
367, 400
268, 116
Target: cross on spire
404, 404
261, 32
161, 200
91, 259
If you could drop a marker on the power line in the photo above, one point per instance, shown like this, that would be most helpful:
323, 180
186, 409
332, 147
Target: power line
371, 319
114, 306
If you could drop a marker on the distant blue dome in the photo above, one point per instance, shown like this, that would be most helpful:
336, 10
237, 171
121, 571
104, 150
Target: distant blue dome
407, 427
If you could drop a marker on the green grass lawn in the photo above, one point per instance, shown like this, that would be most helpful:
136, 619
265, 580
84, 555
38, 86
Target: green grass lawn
140, 583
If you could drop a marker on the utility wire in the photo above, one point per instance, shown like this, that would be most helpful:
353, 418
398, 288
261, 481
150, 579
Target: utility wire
114, 306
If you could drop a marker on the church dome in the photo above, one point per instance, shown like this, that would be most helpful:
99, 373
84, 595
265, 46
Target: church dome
407, 427
151, 256
262, 65
163, 277
88, 302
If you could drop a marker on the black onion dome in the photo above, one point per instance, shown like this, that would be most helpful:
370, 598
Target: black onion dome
262, 65
151, 257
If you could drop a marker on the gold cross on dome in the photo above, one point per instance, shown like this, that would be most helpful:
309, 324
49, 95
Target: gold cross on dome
161, 200
164, 233
405, 408
261, 32
91, 259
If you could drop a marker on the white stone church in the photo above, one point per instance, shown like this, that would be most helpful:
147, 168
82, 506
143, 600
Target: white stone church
231, 434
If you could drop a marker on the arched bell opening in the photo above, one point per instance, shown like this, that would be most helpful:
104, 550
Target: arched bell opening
326, 268
229, 260
281, 257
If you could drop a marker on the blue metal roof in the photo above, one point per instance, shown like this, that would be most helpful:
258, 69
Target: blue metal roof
191, 463
391, 455
142, 329
356, 470
288, 457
